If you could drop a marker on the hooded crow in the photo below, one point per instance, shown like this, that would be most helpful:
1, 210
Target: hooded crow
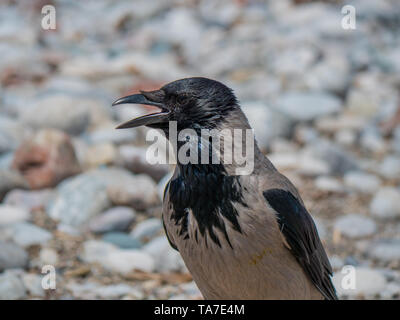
242, 236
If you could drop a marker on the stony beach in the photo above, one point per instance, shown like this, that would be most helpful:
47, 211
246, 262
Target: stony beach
80, 196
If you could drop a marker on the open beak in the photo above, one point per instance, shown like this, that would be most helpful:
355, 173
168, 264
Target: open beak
146, 120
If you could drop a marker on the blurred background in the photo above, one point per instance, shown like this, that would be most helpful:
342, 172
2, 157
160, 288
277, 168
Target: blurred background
79, 195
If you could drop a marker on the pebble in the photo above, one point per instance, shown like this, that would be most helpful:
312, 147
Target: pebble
33, 284
59, 112
372, 141
362, 182
109, 135
305, 106
6, 160
338, 159
147, 229
48, 256
386, 203
390, 167
94, 250
113, 291
10, 214
27, 234
266, 122
12, 256
9, 180
139, 192
125, 261
122, 261
29, 199
355, 226
392, 290
11, 287
114, 219
100, 155
92, 290
166, 258
46, 158
368, 282
122, 240
79, 198
386, 250
327, 183
135, 159
346, 137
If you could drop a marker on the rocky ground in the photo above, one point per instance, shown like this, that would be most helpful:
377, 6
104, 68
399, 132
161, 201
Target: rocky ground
78, 195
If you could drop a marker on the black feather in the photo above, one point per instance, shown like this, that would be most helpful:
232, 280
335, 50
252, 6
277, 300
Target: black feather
301, 234
195, 189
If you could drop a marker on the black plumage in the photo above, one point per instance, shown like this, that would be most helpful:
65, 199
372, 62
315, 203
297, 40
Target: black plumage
301, 234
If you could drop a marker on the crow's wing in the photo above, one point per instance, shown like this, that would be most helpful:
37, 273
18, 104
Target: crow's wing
301, 235
166, 206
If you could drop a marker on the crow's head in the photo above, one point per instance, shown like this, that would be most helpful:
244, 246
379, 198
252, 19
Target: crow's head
191, 102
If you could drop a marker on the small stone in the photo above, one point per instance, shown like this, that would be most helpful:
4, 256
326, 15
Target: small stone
27, 234
139, 192
110, 135
368, 283
126, 261
46, 159
166, 258
147, 229
114, 219
10, 214
79, 198
346, 137
386, 250
311, 166
390, 167
114, 259
305, 106
350, 260
10, 179
113, 291
355, 226
338, 159
94, 250
326, 183
30, 200
100, 154
11, 287
362, 182
267, 123
58, 112
12, 256
6, 160
191, 289
372, 141
122, 240
48, 256
33, 283
392, 290
306, 164
386, 203
135, 159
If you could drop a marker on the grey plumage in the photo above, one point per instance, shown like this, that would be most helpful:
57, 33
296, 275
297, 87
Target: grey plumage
241, 237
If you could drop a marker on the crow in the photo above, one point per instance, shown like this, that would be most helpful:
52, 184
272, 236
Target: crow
241, 236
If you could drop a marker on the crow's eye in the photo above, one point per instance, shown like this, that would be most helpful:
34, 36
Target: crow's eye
182, 99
